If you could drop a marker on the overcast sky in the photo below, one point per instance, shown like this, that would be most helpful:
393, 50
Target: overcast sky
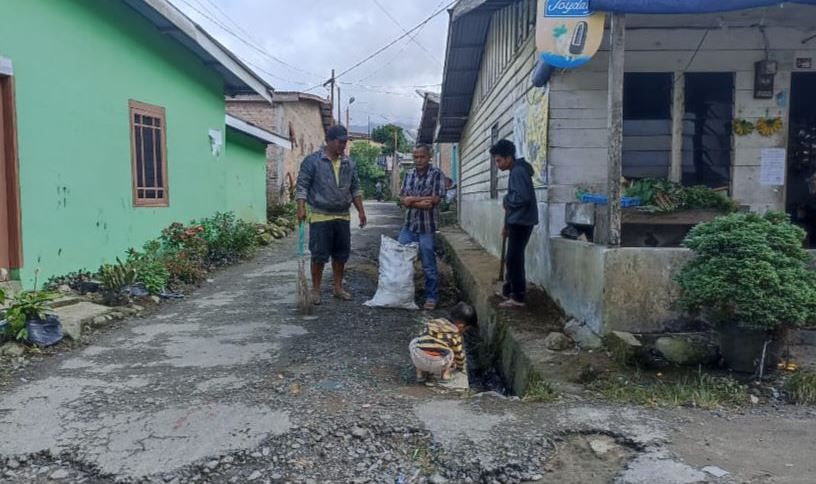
311, 37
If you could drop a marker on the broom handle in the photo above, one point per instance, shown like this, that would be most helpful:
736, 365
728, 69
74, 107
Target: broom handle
301, 239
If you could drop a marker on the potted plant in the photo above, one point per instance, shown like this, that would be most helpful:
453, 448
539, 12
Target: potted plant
27, 313
749, 278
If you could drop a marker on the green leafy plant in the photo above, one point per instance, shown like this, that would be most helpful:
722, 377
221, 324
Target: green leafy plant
662, 196
116, 278
150, 267
749, 270
227, 238
704, 198
27, 306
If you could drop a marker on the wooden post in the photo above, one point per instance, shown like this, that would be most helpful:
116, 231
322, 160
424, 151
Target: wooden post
678, 112
615, 127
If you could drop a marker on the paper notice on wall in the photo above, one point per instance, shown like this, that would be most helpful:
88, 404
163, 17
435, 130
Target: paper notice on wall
6, 68
773, 167
216, 142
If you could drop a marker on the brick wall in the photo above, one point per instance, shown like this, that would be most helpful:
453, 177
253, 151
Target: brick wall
300, 121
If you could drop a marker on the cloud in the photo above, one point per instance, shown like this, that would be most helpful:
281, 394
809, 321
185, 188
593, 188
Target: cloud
312, 37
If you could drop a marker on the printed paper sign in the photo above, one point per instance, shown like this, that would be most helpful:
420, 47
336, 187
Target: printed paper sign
773, 167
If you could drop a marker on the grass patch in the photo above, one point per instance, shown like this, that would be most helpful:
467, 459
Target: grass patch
698, 390
801, 388
540, 391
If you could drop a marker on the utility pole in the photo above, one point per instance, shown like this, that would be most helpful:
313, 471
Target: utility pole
339, 104
331, 81
347, 116
395, 173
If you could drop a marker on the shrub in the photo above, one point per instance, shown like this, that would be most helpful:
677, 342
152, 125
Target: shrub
228, 239
115, 279
74, 280
150, 267
750, 270
26, 306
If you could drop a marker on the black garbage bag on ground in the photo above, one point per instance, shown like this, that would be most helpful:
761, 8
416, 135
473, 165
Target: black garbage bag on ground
45, 332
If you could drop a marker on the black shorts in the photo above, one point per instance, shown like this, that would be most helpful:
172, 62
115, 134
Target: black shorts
330, 239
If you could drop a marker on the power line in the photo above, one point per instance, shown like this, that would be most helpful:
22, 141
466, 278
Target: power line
254, 47
387, 46
413, 38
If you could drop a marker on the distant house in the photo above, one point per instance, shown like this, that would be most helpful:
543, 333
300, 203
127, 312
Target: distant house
114, 127
300, 118
445, 155
688, 77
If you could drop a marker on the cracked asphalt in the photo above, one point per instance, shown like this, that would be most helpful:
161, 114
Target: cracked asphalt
233, 385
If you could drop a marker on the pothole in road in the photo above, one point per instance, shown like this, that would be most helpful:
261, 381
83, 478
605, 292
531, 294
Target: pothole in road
592, 457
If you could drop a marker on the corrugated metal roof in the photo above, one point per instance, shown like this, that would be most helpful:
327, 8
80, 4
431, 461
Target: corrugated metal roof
430, 117
469, 24
238, 78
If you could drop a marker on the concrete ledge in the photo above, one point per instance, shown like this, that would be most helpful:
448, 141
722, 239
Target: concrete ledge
514, 338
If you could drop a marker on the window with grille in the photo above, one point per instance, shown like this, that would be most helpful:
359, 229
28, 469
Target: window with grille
148, 155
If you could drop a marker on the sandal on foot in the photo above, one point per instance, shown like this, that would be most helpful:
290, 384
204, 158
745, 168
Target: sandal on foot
429, 306
342, 295
315, 298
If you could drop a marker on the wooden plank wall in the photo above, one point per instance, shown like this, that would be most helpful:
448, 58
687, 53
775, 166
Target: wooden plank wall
578, 104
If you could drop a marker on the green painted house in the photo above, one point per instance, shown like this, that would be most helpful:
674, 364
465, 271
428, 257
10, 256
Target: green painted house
113, 126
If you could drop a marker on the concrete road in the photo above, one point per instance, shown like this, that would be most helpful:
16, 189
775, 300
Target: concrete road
232, 385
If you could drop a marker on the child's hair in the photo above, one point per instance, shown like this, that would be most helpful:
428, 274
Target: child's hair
465, 313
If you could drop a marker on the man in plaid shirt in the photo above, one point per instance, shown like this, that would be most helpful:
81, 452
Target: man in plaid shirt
422, 190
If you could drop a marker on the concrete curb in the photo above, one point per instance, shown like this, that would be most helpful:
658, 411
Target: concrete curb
514, 338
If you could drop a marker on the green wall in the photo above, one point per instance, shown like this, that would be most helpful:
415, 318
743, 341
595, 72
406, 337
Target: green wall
76, 65
246, 176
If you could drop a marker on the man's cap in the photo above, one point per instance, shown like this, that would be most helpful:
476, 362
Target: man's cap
336, 132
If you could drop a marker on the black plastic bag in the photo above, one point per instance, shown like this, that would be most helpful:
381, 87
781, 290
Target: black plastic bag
45, 332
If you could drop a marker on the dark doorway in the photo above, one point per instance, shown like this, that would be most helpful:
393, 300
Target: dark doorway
707, 129
647, 124
801, 176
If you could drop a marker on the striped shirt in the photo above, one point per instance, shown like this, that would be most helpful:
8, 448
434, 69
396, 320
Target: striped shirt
440, 336
431, 184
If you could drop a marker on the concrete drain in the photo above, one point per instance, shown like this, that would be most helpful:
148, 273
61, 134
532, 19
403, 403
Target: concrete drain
582, 458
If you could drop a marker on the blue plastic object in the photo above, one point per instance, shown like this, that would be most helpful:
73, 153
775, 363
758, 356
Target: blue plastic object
599, 199
682, 6
46, 332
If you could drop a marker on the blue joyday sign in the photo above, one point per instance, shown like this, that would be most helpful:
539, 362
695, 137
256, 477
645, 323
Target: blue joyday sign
568, 8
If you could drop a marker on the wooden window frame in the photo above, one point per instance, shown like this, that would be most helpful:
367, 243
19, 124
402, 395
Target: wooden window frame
12, 168
144, 109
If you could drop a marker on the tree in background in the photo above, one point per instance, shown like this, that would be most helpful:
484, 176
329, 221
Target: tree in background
365, 156
385, 134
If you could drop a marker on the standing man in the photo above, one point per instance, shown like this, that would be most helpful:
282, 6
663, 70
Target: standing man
328, 183
422, 190
520, 216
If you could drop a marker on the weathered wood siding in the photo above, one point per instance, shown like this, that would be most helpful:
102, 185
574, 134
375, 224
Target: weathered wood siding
504, 80
577, 141
578, 101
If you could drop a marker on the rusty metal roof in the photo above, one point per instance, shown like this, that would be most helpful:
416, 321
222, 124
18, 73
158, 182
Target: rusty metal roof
467, 33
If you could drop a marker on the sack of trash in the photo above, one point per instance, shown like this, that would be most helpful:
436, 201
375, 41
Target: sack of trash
45, 332
395, 288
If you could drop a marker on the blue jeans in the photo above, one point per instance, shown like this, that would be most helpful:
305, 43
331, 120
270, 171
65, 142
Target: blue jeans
428, 256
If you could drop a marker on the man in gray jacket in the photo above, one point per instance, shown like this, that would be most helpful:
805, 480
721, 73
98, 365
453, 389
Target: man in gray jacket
329, 184
520, 216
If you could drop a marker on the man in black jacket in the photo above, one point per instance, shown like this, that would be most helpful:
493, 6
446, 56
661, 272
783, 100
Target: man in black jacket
520, 216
